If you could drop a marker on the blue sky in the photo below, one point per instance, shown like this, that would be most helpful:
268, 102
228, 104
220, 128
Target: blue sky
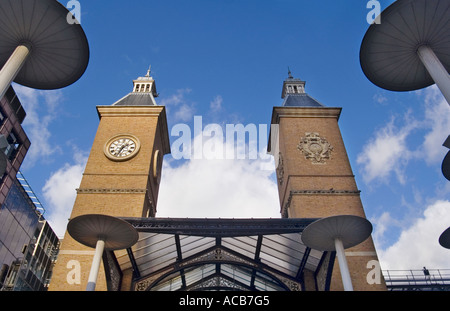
226, 61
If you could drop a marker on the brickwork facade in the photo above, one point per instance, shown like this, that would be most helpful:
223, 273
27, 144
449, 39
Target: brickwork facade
117, 188
315, 180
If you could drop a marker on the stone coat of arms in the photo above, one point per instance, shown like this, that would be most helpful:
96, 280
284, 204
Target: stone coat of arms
315, 148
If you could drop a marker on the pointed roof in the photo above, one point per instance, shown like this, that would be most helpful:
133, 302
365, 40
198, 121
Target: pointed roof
135, 99
294, 94
301, 100
143, 94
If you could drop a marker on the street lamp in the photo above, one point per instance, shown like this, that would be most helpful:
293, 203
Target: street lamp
336, 233
38, 47
409, 49
101, 232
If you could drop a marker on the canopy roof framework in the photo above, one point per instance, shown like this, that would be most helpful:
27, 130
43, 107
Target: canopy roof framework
218, 254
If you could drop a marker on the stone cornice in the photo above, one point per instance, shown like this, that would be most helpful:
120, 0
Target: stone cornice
109, 190
304, 112
129, 111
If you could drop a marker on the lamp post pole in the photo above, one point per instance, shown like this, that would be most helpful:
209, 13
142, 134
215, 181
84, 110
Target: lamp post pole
435, 69
12, 67
95, 267
343, 266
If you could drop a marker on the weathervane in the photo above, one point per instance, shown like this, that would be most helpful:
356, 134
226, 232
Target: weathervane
289, 73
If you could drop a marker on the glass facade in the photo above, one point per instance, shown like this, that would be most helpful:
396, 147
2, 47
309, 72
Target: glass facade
18, 222
12, 115
28, 245
35, 270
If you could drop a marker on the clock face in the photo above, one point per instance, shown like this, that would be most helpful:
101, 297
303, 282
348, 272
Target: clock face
122, 147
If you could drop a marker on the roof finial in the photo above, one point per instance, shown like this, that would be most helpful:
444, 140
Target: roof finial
289, 73
148, 71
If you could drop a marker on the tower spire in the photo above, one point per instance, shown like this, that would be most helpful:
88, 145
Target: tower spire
289, 74
143, 94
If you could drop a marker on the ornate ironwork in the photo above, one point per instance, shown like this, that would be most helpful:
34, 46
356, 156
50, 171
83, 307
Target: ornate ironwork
219, 227
219, 254
218, 282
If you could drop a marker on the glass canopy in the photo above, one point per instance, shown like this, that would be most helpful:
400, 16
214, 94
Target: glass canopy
218, 254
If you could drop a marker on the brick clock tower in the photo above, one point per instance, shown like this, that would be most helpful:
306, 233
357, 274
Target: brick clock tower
315, 179
121, 177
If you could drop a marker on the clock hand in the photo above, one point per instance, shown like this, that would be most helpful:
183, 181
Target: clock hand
122, 147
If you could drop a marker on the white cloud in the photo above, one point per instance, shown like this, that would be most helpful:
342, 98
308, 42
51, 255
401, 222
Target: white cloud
41, 108
380, 99
177, 106
418, 245
184, 113
218, 188
216, 104
386, 153
60, 192
383, 224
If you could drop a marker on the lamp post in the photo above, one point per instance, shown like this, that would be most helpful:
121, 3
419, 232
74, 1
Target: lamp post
336, 233
101, 232
408, 50
39, 48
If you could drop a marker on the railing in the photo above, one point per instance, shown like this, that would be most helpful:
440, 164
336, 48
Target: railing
417, 279
26, 186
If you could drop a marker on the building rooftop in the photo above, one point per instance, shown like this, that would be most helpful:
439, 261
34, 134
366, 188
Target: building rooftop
143, 94
136, 99
294, 94
301, 100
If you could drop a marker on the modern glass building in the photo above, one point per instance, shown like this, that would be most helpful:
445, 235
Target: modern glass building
28, 245
12, 115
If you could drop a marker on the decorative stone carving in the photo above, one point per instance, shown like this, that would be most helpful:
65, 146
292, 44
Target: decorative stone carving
280, 169
315, 148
